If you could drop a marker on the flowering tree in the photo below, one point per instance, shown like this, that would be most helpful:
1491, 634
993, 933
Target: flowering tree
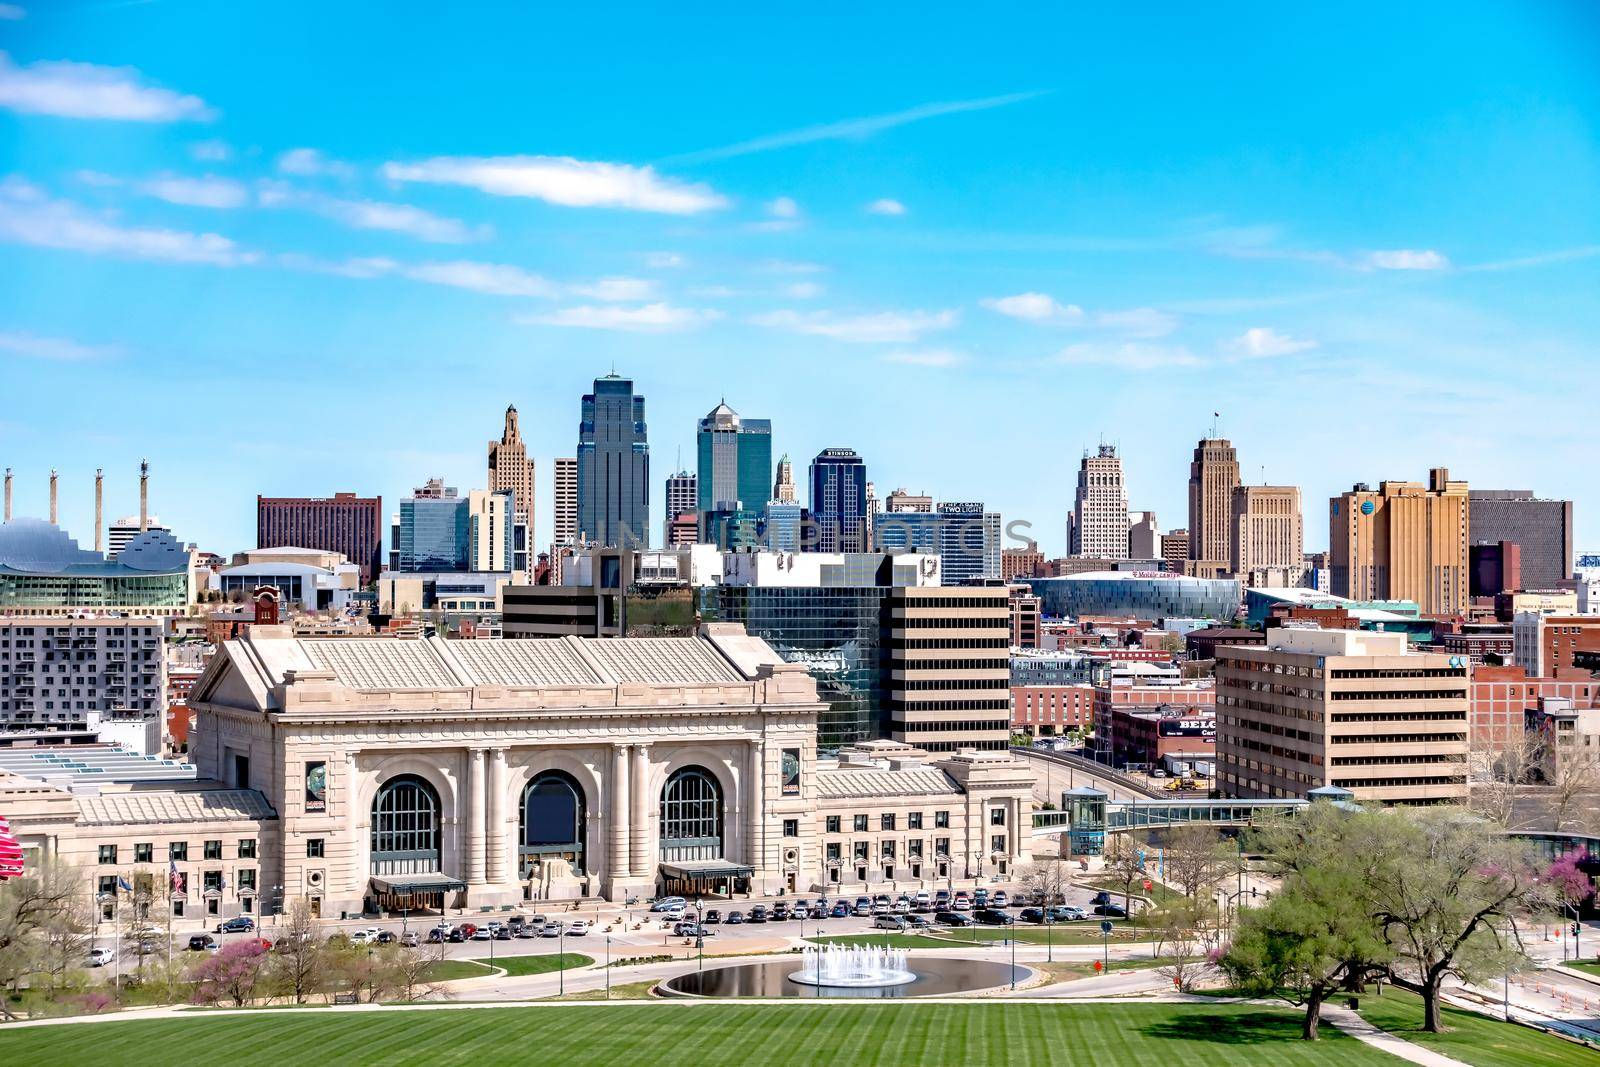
1567, 879
230, 974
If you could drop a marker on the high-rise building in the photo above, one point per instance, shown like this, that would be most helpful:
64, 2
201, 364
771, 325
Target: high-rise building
511, 469
949, 663
783, 490
839, 500
565, 511
1144, 536
683, 498
491, 532
1406, 541
125, 529
614, 466
735, 457
782, 526
1541, 529
1100, 511
1021, 562
1175, 549
683, 530
430, 533
964, 536
1268, 541
1213, 474
900, 501
1355, 709
345, 523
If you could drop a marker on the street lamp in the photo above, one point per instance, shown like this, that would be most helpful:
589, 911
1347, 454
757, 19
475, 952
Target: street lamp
608, 966
699, 932
561, 960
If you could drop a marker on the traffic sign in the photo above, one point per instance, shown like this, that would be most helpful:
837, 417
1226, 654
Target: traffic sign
1147, 885
1098, 966
1105, 926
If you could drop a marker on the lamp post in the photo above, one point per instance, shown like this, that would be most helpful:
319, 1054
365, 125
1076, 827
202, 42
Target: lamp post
561, 961
608, 966
1013, 934
699, 932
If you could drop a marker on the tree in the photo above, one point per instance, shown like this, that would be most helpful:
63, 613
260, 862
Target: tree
1124, 864
297, 964
412, 967
1569, 884
1501, 775
45, 903
1195, 859
1314, 938
230, 974
1047, 877
1185, 931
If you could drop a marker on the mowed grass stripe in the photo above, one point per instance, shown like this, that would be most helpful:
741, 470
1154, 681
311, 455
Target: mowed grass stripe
765, 1035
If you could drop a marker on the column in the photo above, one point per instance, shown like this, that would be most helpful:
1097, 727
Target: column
472, 791
755, 806
642, 866
621, 812
497, 816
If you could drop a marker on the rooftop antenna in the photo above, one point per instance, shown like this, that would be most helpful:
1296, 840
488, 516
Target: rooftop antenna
1215, 415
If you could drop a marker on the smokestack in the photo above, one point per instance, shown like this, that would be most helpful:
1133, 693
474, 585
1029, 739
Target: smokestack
99, 510
52, 496
144, 495
8, 494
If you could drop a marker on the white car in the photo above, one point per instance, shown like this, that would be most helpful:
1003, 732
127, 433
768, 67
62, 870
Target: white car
361, 937
672, 914
578, 928
101, 957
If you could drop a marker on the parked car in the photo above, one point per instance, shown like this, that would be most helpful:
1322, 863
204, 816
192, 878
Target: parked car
863, 910
890, 921
504, 934
551, 929
409, 939
916, 922
1111, 911
758, 914
101, 957
999, 899
668, 903
820, 911
922, 897
980, 898
387, 937
689, 928
952, 918
1033, 915
673, 914
780, 912
360, 937
239, 924
1066, 913
456, 936
261, 943
902, 906
735, 917
468, 929
578, 928
941, 897
527, 930
962, 902
202, 942
1101, 897
436, 936
992, 917
840, 910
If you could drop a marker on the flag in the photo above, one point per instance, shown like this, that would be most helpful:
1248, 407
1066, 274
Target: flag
10, 852
122, 884
175, 879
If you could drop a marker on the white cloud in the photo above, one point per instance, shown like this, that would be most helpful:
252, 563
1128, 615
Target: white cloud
28, 216
928, 357
617, 289
1137, 322
790, 266
664, 260
885, 327
803, 290
886, 206
356, 267
496, 279
208, 191
785, 207
310, 163
1407, 259
563, 180
211, 151
858, 129
12, 13
1128, 355
1263, 342
86, 91
1034, 307
58, 349
397, 218
646, 318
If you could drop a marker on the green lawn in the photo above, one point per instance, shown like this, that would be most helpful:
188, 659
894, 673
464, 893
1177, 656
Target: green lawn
772, 1035
1587, 966
518, 966
1475, 1039
450, 970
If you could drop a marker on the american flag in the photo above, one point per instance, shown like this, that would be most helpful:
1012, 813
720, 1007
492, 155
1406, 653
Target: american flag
10, 852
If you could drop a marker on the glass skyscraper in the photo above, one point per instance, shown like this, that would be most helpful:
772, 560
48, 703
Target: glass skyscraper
964, 537
432, 535
735, 474
839, 500
613, 466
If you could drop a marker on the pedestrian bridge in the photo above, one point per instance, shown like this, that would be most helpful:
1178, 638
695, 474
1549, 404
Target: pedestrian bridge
1087, 815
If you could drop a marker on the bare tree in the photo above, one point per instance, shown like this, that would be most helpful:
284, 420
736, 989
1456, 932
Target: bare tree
1124, 864
1048, 878
298, 961
1573, 771
412, 968
1501, 776
45, 902
1195, 859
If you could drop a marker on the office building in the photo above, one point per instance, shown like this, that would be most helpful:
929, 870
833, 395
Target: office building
1495, 568
1406, 541
901, 501
839, 501
84, 676
1021, 563
1025, 617
782, 526
345, 523
1267, 535
44, 572
683, 529
1544, 644
492, 533
683, 498
565, 505
614, 466
306, 580
1541, 530
1344, 708
783, 490
1144, 536
430, 533
735, 457
1099, 525
510, 470
1141, 594
949, 668
1175, 549
125, 529
964, 536
1213, 475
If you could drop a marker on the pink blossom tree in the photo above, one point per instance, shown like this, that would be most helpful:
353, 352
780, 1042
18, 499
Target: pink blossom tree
230, 974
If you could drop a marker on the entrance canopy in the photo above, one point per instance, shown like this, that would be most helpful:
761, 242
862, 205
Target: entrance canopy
414, 892
706, 877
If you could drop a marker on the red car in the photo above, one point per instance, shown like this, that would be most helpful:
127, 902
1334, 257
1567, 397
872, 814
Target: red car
467, 930
260, 942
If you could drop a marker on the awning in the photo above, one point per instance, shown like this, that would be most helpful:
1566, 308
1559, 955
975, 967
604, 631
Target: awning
434, 882
706, 869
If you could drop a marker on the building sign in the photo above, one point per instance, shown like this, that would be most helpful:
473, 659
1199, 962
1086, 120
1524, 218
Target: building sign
1196, 727
791, 772
962, 508
317, 786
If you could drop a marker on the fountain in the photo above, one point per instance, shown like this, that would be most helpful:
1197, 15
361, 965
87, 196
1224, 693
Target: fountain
853, 967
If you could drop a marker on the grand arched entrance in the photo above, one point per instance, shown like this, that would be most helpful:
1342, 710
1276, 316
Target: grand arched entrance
692, 825
407, 853
553, 822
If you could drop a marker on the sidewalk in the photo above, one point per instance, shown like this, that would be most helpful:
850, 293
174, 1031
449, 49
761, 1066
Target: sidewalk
1365, 1032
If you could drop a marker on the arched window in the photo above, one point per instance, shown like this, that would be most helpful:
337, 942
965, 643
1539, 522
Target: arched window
552, 821
691, 816
405, 827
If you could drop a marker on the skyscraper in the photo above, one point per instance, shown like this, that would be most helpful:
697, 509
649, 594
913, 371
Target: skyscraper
344, 523
683, 498
511, 469
430, 534
1268, 542
1406, 541
735, 469
839, 500
1213, 474
1100, 512
614, 466
1541, 529
565, 512
783, 483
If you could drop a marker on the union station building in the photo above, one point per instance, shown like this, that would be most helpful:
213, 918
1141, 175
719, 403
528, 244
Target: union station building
367, 773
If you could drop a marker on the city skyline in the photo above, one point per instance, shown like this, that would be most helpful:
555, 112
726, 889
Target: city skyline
893, 239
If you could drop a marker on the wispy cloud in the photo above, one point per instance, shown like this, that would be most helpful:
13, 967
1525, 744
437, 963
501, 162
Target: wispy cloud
855, 129
311, 163
375, 215
784, 207
1128, 355
1263, 342
928, 357
1043, 309
87, 91
1406, 259
646, 318
1034, 307
617, 289
209, 191
665, 260
803, 290
790, 266
213, 151
28, 216
886, 327
59, 349
565, 181
1542, 259
885, 206
12, 13
496, 279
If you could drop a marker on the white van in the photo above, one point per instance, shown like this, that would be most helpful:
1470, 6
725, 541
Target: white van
890, 922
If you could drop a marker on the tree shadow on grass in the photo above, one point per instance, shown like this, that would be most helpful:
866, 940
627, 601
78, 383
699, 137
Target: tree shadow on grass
1248, 1028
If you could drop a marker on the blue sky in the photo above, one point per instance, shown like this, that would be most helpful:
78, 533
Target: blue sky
298, 248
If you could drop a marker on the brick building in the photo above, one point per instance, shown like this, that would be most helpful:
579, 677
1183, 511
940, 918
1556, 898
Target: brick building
1503, 697
344, 523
